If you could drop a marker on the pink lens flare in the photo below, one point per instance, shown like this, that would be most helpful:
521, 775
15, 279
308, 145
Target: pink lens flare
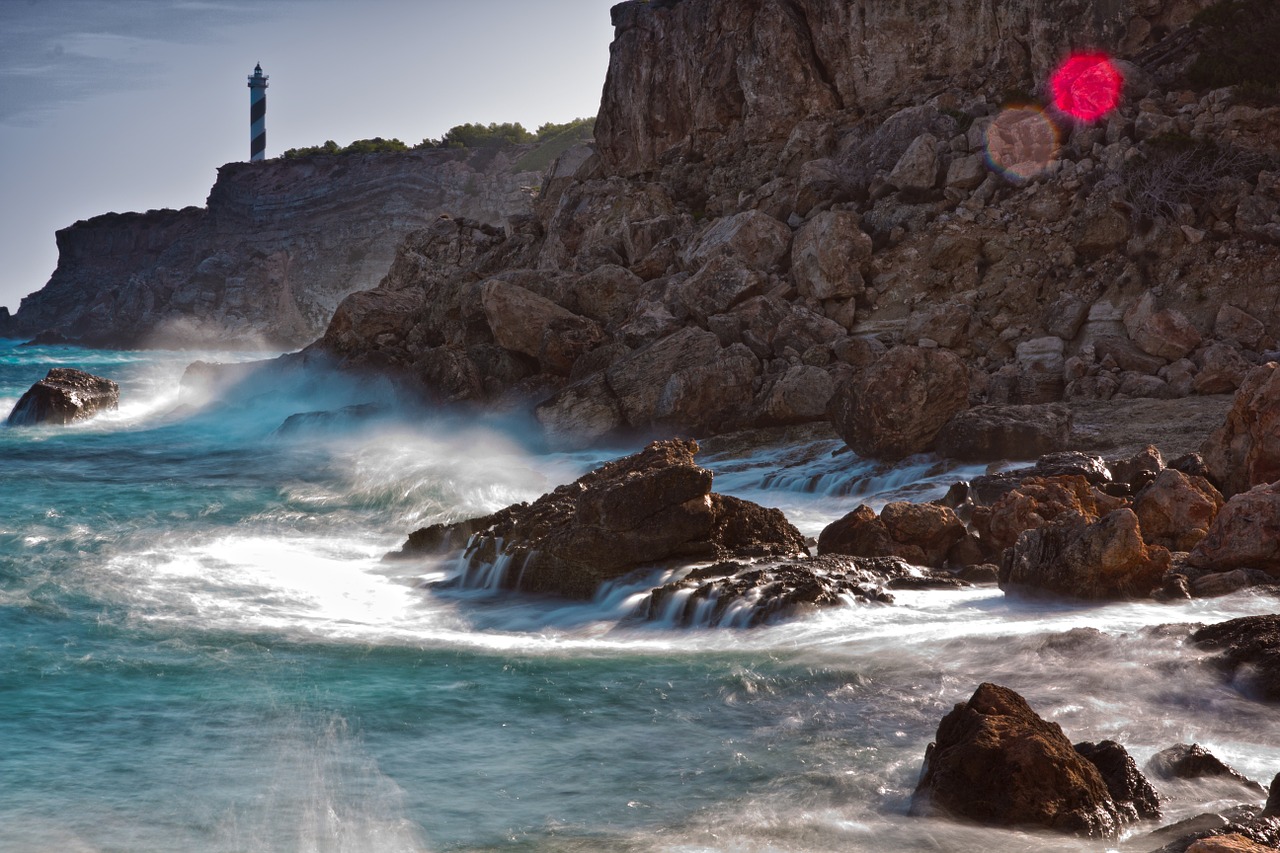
1021, 142
1087, 86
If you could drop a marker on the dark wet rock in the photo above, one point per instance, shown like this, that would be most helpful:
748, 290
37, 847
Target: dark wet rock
896, 406
1249, 651
733, 594
1192, 464
1273, 798
1139, 469
997, 762
651, 507
1102, 560
1192, 761
991, 433
49, 338
347, 416
1130, 791
1239, 831
63, 396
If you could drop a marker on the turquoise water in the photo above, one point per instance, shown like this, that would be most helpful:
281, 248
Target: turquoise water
200, 649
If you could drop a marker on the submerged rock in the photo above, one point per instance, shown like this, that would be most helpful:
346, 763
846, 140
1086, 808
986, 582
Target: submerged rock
1132, 793
997, 762
643, 509
1192, 761
63, 396
1251, 644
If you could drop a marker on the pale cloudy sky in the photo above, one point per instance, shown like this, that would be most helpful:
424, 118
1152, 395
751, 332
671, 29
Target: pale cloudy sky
116, 105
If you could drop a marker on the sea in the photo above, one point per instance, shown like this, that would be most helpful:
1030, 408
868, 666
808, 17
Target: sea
203, 649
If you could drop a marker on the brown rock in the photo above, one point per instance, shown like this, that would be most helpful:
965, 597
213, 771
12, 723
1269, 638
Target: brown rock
607, 293
1105, 559
1245, 451
1176, 510
1126, 355
65, 395
861, 534
799, 395
1192, 761
990, 433
1232, 843
946, 324
1036, 501
639, 379
1232, 324
931, 528
527, 323
917, 169
896, 406
828, 256
1222, 369
580, 414
1167, 334
652, 506
1132, 794
1245, 533
755, 239
719, 285
995, 761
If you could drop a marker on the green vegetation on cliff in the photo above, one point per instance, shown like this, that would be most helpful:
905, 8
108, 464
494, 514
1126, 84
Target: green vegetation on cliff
554, 139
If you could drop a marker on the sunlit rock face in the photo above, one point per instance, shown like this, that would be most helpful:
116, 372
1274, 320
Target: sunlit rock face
267, 261
701, 76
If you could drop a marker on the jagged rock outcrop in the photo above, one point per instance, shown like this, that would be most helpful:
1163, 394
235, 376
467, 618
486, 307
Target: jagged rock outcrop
995, 761
640, 510
1245, 451
1252, 643
278, 245
63, 396
1131, 792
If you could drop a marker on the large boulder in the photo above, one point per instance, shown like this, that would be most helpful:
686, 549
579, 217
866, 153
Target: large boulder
828, 256
524, 322
1176, 510
650, 507
1104, 559
1036, 501
1245, 451
991, 433
755, 239
997, 762
65, 395
896, 406
921, 534
1245, 533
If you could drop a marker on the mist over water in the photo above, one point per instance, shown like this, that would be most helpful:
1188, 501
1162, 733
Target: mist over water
201, 648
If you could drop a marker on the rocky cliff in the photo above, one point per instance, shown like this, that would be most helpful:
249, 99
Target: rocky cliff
781, 191
278, 245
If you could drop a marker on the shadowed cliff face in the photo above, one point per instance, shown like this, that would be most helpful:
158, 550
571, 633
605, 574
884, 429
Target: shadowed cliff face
695, 76
267, 261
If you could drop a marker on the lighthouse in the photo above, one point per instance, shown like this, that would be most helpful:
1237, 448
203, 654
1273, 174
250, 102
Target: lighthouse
257, 115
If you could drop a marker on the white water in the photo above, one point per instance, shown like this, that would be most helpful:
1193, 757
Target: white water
201, 648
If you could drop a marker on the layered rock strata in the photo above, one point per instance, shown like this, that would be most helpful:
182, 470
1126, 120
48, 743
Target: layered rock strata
277, 247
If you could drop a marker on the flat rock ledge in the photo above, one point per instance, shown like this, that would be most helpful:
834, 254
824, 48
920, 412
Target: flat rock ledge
651, 508
63, 396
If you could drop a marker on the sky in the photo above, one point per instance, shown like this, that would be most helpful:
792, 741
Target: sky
120, 105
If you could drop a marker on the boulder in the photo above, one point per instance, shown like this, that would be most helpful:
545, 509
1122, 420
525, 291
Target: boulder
607, 293
639, 379
524, 322
995, 761
580, 414
917, 169
896, 406
1245, 451
1230, 843
946, 324
1251, 644
1104, 559
1036, 501
1236, 326
992, 433
1222, 369
1176, 510
719, 285
1192, 761
65, 395
1244, 534
653, 506
1167, 334
755, 239
799, 395
828, 256
1132, 794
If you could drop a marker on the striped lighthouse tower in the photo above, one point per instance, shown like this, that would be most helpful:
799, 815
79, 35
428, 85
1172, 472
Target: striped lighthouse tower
257, 115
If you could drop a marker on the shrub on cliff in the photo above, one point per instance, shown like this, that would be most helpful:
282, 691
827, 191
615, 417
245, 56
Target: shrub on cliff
1239, 48
377, 145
